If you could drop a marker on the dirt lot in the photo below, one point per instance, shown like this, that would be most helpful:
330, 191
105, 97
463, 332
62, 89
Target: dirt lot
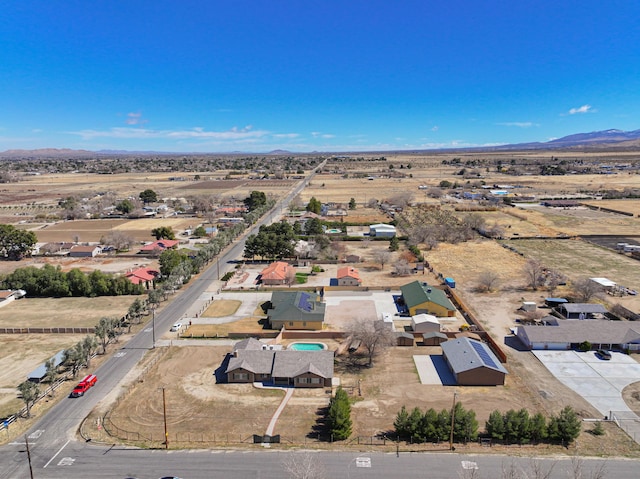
197, 407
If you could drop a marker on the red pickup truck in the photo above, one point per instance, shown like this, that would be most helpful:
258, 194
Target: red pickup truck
84, 385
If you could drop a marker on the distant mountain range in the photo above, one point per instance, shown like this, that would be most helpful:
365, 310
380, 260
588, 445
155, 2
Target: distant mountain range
610, 139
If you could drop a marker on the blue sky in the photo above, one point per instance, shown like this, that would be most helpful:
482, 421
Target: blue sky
343, 75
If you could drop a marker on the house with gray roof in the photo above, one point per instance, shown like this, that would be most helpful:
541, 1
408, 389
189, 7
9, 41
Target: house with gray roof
622, 335
303, 369
473, 363
296, 310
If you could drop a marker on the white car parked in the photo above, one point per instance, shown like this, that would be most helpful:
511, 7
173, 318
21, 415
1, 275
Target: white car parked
176, 327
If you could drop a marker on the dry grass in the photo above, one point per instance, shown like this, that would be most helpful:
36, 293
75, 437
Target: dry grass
221, 308
62, 312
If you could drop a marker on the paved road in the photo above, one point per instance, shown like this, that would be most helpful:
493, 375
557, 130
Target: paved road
55, 431
84, 461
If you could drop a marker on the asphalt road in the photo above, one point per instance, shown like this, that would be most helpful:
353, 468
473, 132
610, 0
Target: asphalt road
56, 430
56, 453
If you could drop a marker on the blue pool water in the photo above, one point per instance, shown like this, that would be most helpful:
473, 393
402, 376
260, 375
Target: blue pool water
306, 346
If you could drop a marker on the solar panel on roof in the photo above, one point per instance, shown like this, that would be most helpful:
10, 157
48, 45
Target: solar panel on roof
304, 303
484, 354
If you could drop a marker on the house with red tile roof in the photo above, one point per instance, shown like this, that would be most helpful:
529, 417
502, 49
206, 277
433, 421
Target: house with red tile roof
159, 245
278, 273
144, 276
348, 276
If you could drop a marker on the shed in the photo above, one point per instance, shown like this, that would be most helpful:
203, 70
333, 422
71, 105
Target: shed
554, 302
404, 339
450, 282
581, 310
38, 374
382, 230
425, 323
473, 363
433, 338
528, 306
82, 251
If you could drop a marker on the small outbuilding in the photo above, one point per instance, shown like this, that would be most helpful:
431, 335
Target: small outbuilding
404, 338
38, 374
582, 310
473, 363
83, 251
382, 230
425, 323
434, 338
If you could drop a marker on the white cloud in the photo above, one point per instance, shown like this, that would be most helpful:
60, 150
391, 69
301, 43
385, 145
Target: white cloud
519, 124
135, 119
435, 128
194, 133
286, 135
582, 109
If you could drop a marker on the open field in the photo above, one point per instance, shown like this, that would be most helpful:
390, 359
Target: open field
198, 408
62, 312
21, 354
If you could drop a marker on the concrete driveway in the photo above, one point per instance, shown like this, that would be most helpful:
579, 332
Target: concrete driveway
599, 382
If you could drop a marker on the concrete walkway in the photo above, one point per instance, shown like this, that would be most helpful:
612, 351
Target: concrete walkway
276, 415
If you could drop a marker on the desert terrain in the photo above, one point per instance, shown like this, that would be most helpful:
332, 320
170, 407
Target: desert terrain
197, 404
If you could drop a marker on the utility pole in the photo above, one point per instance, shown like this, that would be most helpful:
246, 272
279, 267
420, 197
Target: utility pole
164, 413
26, 440
218, 266
153, 327
453, 418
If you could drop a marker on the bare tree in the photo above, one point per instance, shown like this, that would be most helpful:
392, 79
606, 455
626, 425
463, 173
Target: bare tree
304, 465
578, 472
554, 279
487, 281
373, 335
534, 273
584, 289
402, 267
382, 257
401, 199
120, 240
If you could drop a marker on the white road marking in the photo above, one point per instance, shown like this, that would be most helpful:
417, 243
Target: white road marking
363, 462
469, 465
147, 330
119, 355
36, 434
56, 454
66, 461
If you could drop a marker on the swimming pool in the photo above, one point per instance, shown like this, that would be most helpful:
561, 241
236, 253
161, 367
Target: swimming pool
307, 346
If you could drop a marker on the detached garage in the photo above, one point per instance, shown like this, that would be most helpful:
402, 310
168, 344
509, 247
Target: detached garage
473, 363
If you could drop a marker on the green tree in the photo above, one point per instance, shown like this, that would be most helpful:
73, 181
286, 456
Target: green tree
255, 200
104, 332
200, 232
73, 358
51, 372
538, 428
88, 347
352, 204
170, 259
314, 206
148, 196
163, 232
339, 416
565, 427
125, 207
401, 424
136, 310
495, 426
29, 391
394, 244
313, 226
15, 243
415, 425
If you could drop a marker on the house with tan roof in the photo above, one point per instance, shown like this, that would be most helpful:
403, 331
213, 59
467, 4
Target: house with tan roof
348, 276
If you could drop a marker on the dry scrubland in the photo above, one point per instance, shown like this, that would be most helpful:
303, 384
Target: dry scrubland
197, 405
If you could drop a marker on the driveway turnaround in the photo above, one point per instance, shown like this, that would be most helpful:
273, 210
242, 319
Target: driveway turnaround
599, 382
